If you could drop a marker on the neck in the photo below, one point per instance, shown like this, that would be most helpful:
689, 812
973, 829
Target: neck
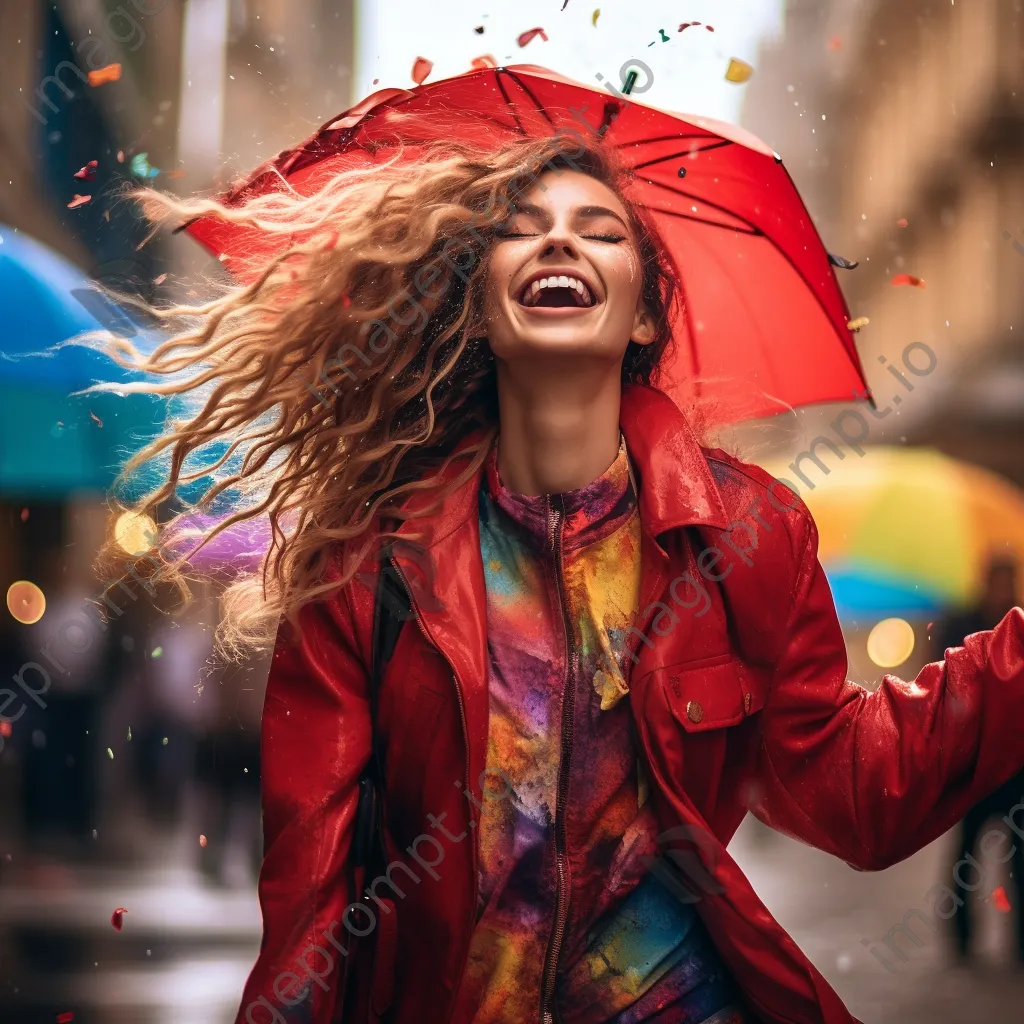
559, 426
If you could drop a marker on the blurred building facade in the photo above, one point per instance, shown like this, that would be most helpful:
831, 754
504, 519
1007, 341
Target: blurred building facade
913, 113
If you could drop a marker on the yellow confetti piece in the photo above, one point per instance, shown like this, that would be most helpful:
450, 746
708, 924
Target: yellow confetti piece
738, 70
26, 602
595, 16
110, 754
856, 325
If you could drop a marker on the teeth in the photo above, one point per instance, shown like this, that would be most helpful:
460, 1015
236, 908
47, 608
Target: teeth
532, 293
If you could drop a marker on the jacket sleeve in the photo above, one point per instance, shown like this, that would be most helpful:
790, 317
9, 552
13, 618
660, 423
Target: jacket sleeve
315, 743
873, 777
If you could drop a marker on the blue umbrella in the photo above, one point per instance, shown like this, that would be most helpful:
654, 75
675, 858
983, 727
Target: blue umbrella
51, 441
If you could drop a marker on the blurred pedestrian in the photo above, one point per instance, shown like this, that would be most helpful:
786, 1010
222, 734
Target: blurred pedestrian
998, 597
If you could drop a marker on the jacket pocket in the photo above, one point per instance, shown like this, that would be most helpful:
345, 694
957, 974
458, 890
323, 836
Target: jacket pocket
715, 693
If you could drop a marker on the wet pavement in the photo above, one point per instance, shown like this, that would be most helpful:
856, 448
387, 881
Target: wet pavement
186, 946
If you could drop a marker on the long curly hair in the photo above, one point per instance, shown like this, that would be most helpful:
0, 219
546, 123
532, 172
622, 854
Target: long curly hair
346, 374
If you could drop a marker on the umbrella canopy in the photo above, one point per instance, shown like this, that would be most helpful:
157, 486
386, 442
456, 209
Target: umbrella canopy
910, 531
763, 318
52, 442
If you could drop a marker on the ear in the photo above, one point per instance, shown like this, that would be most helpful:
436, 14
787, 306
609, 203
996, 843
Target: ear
643, 325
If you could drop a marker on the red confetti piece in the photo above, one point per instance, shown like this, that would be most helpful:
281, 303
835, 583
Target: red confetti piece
929, 626
175, 174
902, 222
79, 201
110, 73
116, 918
65, 1018
5, 729
346, 301
525, 37
421, 67
24, 515
95, 419
835, 43
710, 28
202, 840
88, 172
914, 282
999, 900
482, 63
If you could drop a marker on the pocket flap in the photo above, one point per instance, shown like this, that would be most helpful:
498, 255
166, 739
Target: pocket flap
714, 694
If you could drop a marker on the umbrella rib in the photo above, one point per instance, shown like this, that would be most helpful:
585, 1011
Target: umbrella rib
666, 138
536, 102
754, 229
508, 99
685, 152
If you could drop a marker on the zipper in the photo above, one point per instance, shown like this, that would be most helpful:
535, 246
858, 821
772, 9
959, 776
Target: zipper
555, 524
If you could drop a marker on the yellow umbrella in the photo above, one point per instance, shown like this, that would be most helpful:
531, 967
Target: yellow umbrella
907, 529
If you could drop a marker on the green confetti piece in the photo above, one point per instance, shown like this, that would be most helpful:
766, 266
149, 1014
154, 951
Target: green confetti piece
157, 652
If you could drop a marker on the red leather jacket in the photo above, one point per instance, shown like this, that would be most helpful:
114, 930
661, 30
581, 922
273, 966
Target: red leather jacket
741, 701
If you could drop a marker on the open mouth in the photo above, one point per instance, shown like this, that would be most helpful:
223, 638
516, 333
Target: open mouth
556, 290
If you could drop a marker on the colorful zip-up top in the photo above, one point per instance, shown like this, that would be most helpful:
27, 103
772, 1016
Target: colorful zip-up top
571, 926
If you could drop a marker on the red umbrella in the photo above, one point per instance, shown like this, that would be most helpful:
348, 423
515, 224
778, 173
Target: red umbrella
763, 319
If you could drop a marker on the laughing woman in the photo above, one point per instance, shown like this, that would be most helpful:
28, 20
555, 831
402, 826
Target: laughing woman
620, 640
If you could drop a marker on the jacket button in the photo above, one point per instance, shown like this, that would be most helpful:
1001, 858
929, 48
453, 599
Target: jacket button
694, 712
746, 702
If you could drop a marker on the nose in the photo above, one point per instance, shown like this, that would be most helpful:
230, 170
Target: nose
559, 241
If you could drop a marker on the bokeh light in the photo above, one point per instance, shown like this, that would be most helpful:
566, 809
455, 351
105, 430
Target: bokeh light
26, 602
891, 642
135, 533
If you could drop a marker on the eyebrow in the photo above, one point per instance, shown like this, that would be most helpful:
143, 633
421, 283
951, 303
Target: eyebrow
581, 211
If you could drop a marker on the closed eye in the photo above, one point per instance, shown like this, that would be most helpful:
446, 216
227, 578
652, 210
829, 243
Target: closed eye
598, 238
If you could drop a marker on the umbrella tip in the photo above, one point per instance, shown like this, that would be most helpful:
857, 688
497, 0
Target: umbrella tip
844, 264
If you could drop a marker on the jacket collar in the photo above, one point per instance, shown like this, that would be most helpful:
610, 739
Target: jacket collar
676, 486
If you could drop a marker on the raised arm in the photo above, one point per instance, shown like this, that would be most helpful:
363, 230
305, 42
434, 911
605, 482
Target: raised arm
315, 744
873, 777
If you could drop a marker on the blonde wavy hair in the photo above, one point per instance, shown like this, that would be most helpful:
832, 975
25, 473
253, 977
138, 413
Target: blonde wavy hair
344, 376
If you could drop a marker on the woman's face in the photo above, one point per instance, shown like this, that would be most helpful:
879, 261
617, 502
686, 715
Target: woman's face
564, 275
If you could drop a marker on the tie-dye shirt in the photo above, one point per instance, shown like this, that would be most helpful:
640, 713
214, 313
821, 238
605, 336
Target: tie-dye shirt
567, 901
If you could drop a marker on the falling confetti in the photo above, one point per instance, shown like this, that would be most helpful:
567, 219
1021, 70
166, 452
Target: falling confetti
129, 734
176, 174
999, 900
88, 172
858, 323
664, 38
79, 201
141, 167
26, 602
65, 1018
595, 16
120, 156
202, 841
110, 754
738, 70
157, 652
5, 728
159, 280
116, 918
346, 301
95, 419
564, 5
929, 626
484, 62
909, 279
835, 43
525, 37
421, 67
902, 222
110, 73
693, 24
479, 30
24, 515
